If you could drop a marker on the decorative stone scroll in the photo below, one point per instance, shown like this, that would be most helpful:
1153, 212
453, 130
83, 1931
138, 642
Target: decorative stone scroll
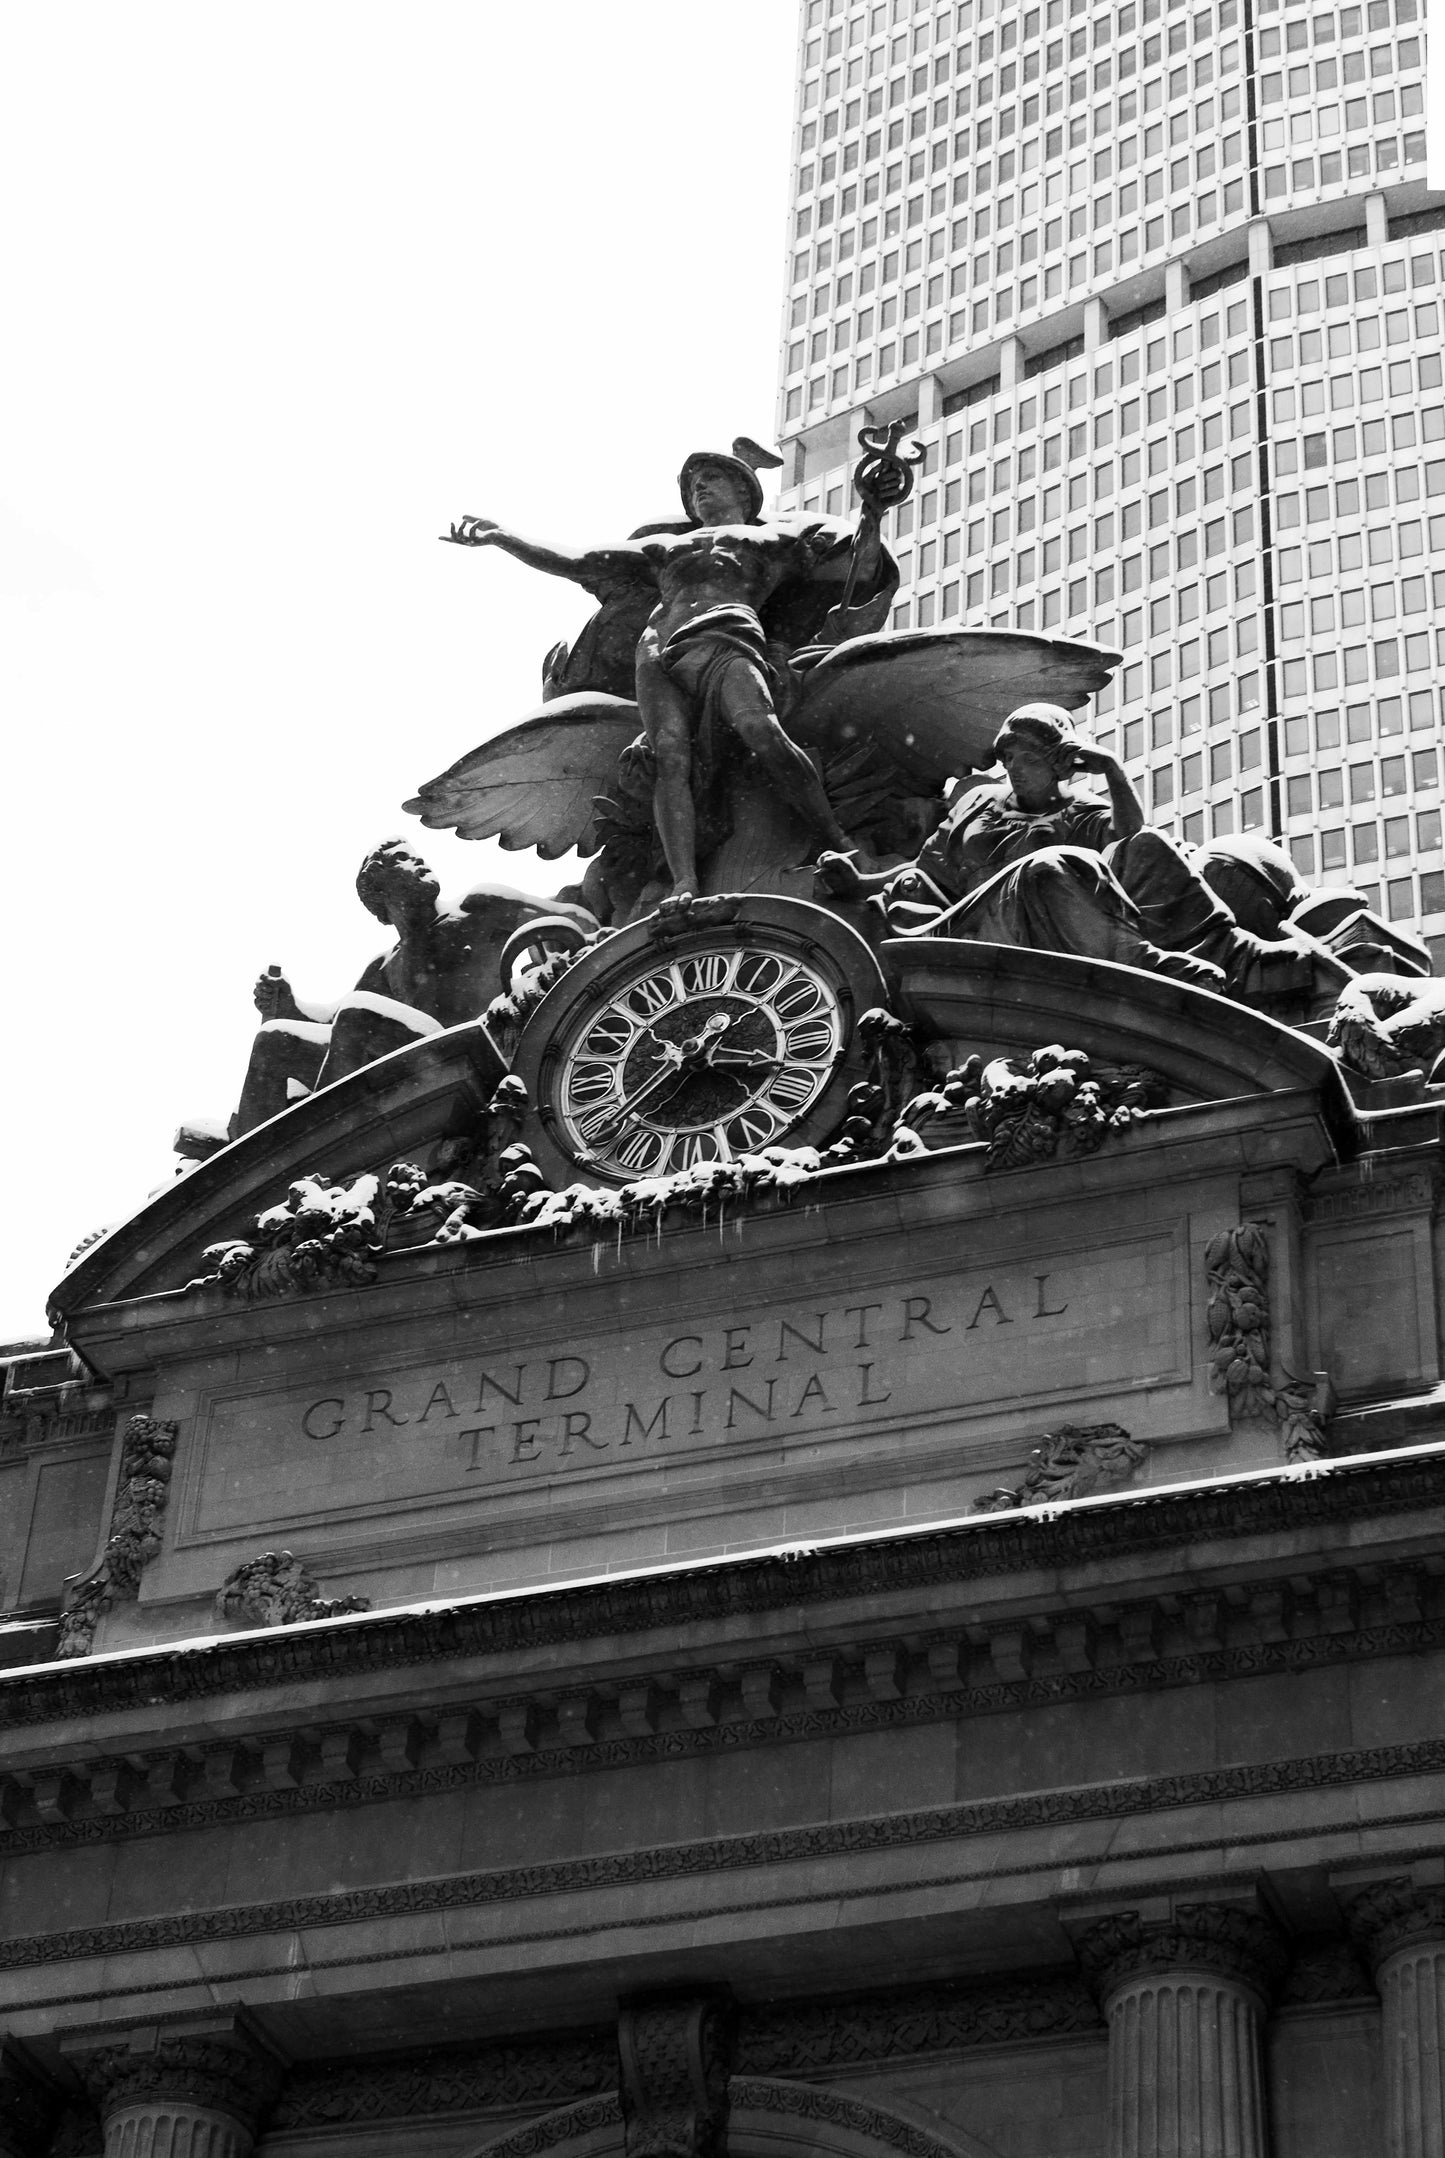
674, 2057
1401, 1929
1073, 1462
276, 1590
1237, 1275
1184, 2000
147, 1451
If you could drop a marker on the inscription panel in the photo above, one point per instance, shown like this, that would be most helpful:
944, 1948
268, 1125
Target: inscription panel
665, 1404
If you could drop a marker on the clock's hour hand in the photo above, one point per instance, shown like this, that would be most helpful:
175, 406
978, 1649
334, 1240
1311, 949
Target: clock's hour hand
672, 1069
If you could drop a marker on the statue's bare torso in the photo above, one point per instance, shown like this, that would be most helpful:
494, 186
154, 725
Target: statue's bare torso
721, 566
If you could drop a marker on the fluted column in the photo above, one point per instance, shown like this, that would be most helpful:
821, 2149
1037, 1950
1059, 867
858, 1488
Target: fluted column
1402, 1930
197, 2094
1185, 2000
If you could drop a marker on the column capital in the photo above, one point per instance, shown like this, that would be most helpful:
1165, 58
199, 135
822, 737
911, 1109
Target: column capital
1399, 1913
675, 2054
29, 2103
217, 2065
1235, 1946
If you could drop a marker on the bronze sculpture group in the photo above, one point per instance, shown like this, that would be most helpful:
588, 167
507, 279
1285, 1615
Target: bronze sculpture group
736, 717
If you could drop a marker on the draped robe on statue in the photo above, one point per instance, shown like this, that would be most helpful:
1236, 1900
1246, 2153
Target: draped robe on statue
1058, 880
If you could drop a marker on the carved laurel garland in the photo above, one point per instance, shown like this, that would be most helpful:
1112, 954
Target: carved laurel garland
1236, 1266
147, 1450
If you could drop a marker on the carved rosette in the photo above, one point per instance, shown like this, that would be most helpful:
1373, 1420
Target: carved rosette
674, 2060
1401, 1929
184, 2097
1184, 2001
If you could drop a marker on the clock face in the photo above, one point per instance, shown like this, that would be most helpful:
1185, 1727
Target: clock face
698, 1056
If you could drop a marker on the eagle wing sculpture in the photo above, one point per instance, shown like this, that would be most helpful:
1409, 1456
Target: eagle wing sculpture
933, 700
536, 784
926, 702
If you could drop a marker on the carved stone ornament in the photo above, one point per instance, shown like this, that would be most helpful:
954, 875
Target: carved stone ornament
147, 1451
1237, 1946
276, 1590
1073, 1462
1392, 1915
329, 1235
1056, 1104
322, 1235
1236, 1264
231, 2075
674, 2058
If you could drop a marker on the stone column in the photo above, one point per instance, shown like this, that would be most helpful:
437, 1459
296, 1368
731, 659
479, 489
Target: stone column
1401, 1929
1185, 1998
198, 2092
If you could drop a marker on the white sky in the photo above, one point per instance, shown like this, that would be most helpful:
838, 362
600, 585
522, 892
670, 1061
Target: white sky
286, 287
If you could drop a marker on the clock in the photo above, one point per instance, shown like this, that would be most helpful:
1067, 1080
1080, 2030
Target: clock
697, 1035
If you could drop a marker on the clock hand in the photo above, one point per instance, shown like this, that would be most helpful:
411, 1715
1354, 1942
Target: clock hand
679, 1058
672, 1068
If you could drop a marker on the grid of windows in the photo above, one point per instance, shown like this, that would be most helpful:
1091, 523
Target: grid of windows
1039, 229
979, 176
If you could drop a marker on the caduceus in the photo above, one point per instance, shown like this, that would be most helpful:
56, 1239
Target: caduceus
883, 480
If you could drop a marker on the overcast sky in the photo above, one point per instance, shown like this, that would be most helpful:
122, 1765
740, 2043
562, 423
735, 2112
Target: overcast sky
286, 288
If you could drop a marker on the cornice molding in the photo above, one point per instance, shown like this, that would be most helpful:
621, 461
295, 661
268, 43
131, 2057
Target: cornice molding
1115, 1800
984, 1547
1290, 1626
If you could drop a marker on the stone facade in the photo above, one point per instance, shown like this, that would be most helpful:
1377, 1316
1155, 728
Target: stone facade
925, 1639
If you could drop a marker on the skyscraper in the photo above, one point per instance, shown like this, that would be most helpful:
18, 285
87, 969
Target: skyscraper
1160, 286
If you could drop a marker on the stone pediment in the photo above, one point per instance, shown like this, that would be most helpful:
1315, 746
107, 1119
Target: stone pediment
993, 999
981, 998
390, 1109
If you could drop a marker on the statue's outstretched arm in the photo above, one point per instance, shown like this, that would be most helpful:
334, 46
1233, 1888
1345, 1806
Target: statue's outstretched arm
599, 569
